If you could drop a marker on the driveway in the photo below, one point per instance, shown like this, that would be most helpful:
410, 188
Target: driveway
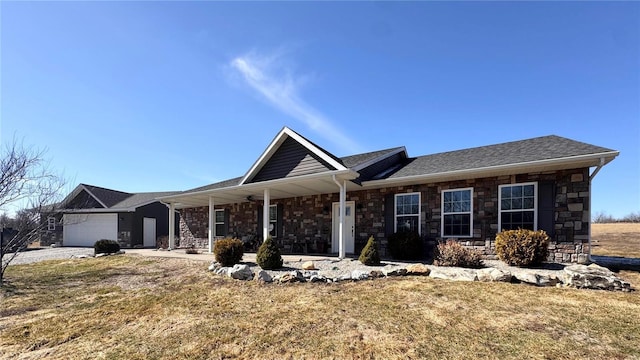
31, 256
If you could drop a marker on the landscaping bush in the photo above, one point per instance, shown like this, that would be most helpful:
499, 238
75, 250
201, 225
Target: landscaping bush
405, 245
522, 247
228, 251
268, 256
452, 253
370, 254
106, 247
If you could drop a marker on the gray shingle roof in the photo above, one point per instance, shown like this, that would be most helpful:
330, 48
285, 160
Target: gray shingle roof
107, 196
221, 184
536, 149
355, 160
139, 199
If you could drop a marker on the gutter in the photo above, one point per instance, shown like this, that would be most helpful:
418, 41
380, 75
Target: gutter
593, 175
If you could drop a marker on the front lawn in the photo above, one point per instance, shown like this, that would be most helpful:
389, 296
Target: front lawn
128, 307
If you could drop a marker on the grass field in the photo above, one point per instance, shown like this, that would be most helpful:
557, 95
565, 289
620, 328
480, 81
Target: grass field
128, 307
617, 239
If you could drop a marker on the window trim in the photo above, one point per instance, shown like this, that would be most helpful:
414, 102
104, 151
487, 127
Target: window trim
395, 211
442, 214
216, 222
535, 203
51, 223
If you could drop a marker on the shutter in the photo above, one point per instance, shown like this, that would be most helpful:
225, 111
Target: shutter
279, 224
226, 222
389, 204
546, 202
259, 230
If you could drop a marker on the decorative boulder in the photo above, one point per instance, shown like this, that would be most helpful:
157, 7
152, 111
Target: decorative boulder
263, 277
308, 265
537, 279
454, 273
359, 275
394, 271
493, 275
418, 269
593, 277
241, 272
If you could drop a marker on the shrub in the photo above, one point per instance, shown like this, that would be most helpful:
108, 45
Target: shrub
451, 253
370, 254
522, 247
228, 251
405, 245
268, 256
106, 247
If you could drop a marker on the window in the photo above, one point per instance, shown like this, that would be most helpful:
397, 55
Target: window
407, 212
518, 205
51, 223
273, 221
219, 223
457, 208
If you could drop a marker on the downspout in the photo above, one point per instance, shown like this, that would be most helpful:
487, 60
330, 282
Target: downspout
593, 175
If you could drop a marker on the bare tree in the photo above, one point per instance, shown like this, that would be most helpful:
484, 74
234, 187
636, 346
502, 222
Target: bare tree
26, 183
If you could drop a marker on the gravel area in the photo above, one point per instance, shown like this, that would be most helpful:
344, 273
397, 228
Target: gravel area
32, 256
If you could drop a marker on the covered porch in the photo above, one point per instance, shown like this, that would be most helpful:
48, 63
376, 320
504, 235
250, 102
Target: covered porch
297, 197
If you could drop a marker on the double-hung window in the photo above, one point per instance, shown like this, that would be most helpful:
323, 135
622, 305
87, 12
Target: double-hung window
273, 220
407, 212
518, 206
457, 213
51, 223
219, 223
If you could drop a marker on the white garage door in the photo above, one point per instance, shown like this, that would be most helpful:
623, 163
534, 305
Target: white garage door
86, 229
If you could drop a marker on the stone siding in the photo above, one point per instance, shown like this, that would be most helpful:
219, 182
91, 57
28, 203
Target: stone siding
307, 219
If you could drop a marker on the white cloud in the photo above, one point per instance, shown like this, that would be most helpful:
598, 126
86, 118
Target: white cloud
269, 77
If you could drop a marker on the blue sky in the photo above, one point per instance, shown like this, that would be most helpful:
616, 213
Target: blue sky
154, 96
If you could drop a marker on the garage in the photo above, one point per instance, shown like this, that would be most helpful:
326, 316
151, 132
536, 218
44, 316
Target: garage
86, 229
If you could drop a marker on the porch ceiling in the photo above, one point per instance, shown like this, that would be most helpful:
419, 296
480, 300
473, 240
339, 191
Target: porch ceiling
278, 189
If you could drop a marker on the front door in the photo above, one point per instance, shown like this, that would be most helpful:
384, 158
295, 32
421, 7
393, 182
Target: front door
149, 232
349, 227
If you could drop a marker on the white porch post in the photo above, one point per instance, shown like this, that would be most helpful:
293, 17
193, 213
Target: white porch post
172, 225
343, 196
212, 227
265, 215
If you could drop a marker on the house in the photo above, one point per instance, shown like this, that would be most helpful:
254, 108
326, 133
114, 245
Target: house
311, 201
91, 213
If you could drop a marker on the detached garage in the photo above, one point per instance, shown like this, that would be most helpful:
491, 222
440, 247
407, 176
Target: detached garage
86, 229
92, 213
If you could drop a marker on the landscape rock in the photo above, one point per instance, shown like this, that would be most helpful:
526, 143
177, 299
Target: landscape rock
288, 278
394, 271
454, 273
214, 266
376, 274
101, 255
82, 256
263, 277
418, 269
593, 277
493, 274
317, 278
240, 272
308, 265
359, 275
222, 271
537, 279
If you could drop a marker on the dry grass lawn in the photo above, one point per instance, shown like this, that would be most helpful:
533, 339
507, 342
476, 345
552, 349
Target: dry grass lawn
616, 239
128, 307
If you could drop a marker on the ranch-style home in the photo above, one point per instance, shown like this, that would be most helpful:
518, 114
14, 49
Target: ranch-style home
91, 213
311, 201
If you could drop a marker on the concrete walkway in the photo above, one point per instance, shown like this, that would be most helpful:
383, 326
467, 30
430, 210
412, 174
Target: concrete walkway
204, 256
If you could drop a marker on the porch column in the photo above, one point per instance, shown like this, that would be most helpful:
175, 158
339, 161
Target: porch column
212, 227
265, 215
343, 196
172, 226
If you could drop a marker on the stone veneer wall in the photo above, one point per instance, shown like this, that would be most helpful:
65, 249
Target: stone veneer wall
307, 219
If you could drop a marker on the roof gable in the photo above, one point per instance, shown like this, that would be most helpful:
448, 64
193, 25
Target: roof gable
105, 196
289, 155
